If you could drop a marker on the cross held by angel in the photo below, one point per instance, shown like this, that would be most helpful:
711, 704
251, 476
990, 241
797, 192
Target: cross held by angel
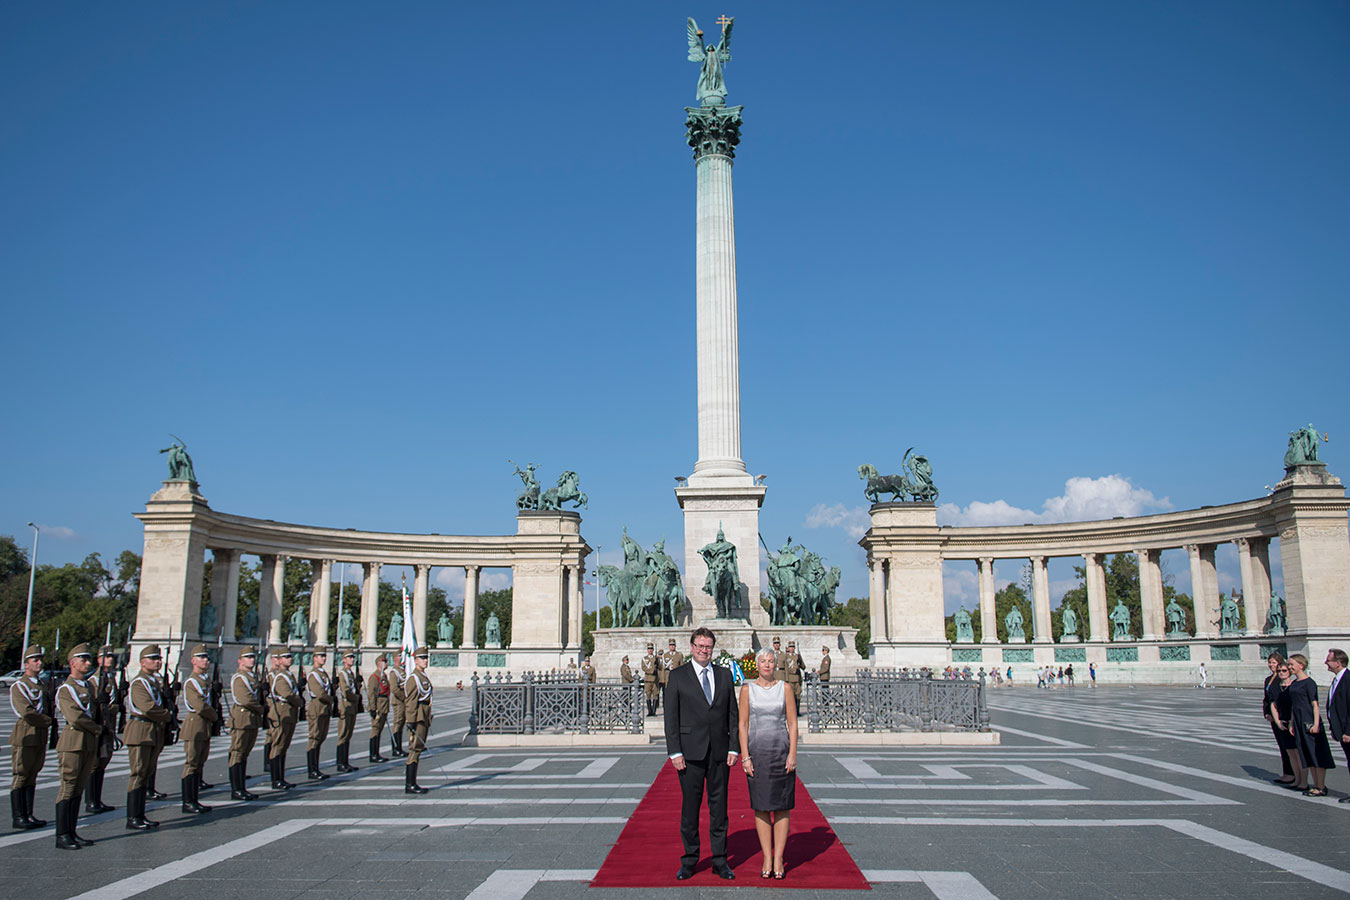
712, 86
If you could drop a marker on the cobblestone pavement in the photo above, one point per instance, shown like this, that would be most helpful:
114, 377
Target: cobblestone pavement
1107, 793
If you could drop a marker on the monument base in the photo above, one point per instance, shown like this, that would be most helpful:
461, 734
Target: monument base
731, 505
736, 637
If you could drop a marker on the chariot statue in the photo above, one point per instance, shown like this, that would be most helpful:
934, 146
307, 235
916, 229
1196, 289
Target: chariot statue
915, 480
529, 498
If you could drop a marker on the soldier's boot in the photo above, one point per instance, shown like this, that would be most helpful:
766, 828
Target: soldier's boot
190, 803
136, 819
410, 785
152, 792
74, 816
275, 766
18, 804
64, 841
94, 802
375, 756
345, 757
312, 764
396, 743
238, 790
33, 822
202, 784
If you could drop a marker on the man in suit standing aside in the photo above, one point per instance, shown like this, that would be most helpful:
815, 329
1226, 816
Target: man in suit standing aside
1338, 703
701, 731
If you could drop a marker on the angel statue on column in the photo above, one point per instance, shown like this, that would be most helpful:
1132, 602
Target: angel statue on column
712, 87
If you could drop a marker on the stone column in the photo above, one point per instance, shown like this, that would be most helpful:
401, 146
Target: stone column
421, 584
469, 639
988, 616
1204, 590
320, 599
876, 596
1150, 594
1094, 578
578, 601
231, 608
271, 584
1040, 605
1257, 604
370, 604
220, 581
1244, 549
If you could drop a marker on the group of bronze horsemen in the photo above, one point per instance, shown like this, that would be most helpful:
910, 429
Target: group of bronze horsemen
101, 708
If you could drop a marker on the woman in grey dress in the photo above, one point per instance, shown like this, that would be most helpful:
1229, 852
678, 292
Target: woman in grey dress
768, 731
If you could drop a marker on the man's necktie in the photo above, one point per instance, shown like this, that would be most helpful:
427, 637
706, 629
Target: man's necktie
707, 686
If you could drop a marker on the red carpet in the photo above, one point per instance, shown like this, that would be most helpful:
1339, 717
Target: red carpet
647, 853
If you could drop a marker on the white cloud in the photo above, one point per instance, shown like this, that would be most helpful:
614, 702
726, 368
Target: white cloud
854, 520
60, 532
960, 587
1083, 499
494, 580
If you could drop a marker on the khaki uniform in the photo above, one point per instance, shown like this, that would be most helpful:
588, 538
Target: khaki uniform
319, 711
670, 661
348, 688
377, 701
105, 691
397, 699
588, 672
28, 738
651, 681
417, 714
780, 658
146, 720
77, 747
792, 673
824, 670
285, 712
196, 734
246, 716
625, 674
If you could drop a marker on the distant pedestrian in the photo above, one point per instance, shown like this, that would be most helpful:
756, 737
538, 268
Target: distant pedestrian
1040, 677
1060, 675
1092, 674
1068, 673
1010, 676
1203, 676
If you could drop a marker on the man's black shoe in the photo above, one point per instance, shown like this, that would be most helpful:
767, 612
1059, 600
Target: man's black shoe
724, 872
684, 873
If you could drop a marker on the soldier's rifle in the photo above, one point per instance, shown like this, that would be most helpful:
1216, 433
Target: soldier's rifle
123, 686
302, 684
49, 688
264, 688
360, 686
172, 684
217, 689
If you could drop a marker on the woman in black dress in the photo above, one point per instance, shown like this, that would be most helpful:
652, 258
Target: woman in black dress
768, 732
1283, 740
1282, 718
1310, 731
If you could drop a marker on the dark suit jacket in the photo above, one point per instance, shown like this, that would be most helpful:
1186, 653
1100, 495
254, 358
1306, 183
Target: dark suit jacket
692, 726
1338, 709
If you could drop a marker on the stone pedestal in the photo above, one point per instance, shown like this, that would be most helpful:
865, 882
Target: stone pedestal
906, 539
541, 593
736, 637
172, 563
1310, 513
735, 509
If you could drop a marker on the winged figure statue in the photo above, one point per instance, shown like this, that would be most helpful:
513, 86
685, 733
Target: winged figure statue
712, 87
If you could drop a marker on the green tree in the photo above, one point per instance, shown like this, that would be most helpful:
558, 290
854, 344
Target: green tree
588, 627
856, 613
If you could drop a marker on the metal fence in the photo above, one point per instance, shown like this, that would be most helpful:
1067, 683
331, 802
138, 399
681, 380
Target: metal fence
890, 700
554, 703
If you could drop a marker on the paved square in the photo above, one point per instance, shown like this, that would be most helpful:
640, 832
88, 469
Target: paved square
1107, 793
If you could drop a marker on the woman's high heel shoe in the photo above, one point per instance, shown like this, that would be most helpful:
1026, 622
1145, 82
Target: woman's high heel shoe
779, 874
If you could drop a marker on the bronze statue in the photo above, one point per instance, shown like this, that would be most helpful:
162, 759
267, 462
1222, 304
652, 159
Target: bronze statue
712, 86
529, 498
180, 464
723, 583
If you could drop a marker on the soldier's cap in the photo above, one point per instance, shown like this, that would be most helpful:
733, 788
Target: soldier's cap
252, 653
320, 648
349, 654
34, 651
199, 650
672, 642
150, 651
106, 650
422, 653
649, 646
792, 643
278, 651
383, 657
80, 650
777, 640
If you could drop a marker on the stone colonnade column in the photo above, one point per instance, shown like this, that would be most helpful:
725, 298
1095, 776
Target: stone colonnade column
1040, 607
876, 597
320, 599
271, 583
1257, 603
220, 588
469, 639
577, 597
370, 604
230, 615
1150, 594
1094, 577
988, 616
1204, 589
421, 584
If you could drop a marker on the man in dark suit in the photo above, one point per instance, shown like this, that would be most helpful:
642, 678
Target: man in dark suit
1338, 703
702, 741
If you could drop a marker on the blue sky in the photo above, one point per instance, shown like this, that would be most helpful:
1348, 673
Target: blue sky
360, 256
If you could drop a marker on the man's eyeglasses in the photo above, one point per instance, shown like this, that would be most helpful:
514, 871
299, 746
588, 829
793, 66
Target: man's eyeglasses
703, 646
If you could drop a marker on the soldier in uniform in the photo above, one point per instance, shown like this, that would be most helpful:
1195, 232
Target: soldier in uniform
397, 705
196, 735
824, 671
792, 672
246, 715
377, 702
417, 713
146, 719
651, 679
319, 710
588, 671
285, 712
348, 690
779, 662
626, 672
77, 749
670, 661
28, 738
105, 692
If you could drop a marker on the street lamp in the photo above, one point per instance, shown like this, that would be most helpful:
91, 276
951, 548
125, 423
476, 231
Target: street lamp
32, 575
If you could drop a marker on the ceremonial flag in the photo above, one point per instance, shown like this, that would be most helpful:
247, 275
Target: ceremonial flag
409, 634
